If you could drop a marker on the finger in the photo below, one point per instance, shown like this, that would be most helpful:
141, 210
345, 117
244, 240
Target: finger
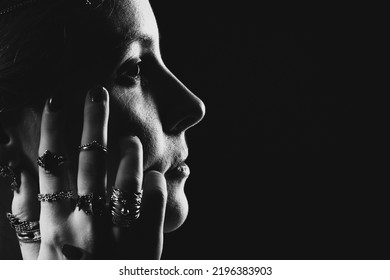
153, 214
52, 178
25, 207
129, 180
92, 161
130, 171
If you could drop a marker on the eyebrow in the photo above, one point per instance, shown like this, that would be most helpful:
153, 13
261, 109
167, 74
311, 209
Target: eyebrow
146, 40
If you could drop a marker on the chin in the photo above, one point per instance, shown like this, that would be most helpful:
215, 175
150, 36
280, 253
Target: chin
177, 207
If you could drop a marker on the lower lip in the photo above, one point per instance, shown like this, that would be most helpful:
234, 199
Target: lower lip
180, 172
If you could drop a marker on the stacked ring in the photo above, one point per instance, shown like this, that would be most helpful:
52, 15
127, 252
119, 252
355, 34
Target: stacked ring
26, 232
50, 162
125, 207
91, 204
93, 146
50, 197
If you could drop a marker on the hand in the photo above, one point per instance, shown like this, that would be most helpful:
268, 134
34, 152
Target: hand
68, 232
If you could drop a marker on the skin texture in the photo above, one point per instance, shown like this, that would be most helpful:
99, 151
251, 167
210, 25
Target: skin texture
142, 98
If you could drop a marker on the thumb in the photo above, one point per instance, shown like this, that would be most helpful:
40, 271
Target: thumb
153, 213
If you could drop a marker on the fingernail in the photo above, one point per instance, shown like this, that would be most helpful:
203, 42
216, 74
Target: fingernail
55, 103
97, 94
71, 252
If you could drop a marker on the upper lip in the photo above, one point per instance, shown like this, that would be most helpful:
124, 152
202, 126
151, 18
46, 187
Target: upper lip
179, 160
169, 166
175, 165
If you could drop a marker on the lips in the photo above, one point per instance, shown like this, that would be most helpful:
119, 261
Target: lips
179, 171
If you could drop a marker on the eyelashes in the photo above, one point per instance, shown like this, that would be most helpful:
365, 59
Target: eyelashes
130, 73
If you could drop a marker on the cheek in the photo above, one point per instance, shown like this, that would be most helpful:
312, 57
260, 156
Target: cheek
135, 113
29, 137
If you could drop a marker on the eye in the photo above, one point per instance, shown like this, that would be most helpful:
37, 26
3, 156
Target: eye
129, 73
135, 70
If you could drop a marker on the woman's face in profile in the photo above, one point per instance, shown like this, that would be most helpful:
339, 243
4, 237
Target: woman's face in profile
148, 101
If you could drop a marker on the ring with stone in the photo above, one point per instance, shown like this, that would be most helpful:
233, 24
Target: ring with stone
50, 162
91, 204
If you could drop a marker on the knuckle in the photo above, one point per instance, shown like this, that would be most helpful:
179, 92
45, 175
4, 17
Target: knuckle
133, 181
130, 182
90, 169
52, 233
95, 113
51, 178
159, 194
50, 124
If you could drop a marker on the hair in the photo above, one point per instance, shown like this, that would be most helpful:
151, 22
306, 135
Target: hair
44, 42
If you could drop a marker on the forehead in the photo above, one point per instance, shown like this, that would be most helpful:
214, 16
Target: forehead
100, 42
134, 20
104, 39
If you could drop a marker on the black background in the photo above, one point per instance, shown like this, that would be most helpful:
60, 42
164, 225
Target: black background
281, 165
285, 164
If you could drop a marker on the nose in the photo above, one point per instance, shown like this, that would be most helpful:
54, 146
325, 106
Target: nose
179, 108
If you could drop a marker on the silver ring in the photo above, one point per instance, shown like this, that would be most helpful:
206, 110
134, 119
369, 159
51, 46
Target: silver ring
91, 204
50, 197
125, 207
93, 146
7, 172
50, 162
26, 231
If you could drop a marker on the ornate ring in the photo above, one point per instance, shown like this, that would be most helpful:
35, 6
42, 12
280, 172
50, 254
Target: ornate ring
26, 232
50, 197
7, 172
93, 146
50, 162
91, 204
29, 237
125, 207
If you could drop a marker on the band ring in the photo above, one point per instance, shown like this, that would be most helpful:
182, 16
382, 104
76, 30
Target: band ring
91, 204
93, 146
50, 162
125, 207
51, 197
29, 237
26, 231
